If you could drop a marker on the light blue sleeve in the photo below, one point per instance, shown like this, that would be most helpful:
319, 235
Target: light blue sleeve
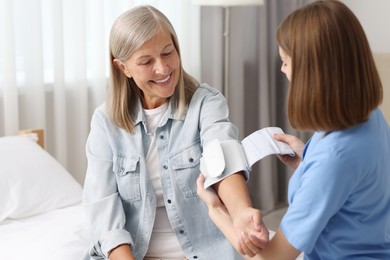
100, 195
317, 190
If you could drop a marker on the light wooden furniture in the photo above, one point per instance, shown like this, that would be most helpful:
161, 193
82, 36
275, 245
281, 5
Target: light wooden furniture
382, 61
38, 132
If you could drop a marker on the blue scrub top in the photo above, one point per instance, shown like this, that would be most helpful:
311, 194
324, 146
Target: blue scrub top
339, 196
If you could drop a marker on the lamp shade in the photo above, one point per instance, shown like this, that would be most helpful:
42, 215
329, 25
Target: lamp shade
228, 2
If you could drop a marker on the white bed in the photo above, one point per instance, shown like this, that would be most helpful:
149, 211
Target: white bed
41, 216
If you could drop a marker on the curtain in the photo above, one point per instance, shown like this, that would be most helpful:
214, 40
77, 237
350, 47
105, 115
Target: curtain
257, 88
54, 66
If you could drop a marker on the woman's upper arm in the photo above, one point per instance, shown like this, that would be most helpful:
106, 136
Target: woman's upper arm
214, 118
100, 181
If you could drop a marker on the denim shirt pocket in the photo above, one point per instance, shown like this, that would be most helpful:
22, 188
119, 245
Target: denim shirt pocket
127, 173
185, 165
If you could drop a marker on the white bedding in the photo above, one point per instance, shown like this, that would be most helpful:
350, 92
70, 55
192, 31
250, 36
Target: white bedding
41, 216
60, 234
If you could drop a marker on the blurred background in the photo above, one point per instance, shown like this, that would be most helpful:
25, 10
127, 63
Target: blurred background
54, 69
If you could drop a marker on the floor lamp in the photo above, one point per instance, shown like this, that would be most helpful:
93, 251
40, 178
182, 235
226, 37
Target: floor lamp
227, 4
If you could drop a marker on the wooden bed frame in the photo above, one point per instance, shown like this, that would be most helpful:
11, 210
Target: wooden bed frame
38, 132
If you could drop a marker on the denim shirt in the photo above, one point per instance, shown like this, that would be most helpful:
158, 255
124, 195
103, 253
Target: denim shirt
118, 194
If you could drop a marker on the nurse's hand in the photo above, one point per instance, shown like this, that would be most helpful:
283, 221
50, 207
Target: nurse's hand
253, 236
296, 145
209, 196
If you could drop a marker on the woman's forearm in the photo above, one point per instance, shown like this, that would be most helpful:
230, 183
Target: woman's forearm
222, 220
234, 193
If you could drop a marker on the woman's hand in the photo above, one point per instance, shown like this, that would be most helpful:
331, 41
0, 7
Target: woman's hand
121, 252
296, 144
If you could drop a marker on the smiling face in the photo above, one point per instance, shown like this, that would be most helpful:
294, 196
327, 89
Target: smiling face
286, 63
155, 68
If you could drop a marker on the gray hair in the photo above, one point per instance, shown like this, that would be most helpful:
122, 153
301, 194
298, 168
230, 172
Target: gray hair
129, 32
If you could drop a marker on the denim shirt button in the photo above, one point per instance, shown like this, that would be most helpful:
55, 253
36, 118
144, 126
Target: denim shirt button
195, 257
169, 201
191, 160
165, 167
181, 231
161, 137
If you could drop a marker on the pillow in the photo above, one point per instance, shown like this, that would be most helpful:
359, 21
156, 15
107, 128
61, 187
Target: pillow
32, 181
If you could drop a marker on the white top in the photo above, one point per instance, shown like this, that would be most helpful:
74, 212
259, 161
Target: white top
163, 243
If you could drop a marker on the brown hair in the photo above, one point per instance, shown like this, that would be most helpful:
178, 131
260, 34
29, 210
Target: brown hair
129, 32
334, 81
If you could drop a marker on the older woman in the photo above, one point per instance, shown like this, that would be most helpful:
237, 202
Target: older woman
144, 152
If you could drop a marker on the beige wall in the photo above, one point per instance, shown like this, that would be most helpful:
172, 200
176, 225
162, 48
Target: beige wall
375, 19
383, 63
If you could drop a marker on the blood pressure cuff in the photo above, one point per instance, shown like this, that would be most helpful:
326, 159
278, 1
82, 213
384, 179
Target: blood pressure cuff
222, 159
